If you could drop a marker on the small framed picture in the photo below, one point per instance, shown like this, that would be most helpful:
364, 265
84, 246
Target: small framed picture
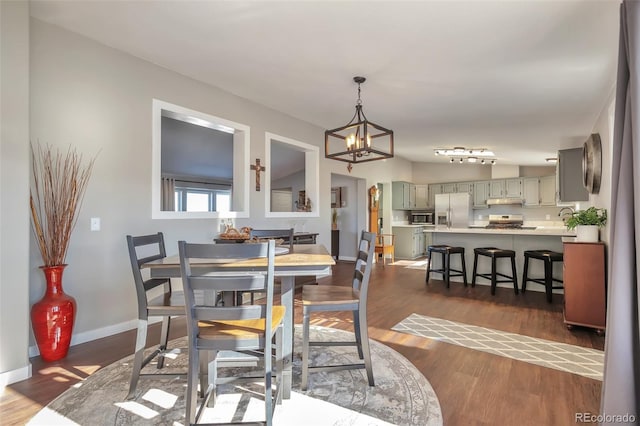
336, 197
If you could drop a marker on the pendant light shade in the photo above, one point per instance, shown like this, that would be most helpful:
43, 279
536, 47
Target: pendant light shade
359, 140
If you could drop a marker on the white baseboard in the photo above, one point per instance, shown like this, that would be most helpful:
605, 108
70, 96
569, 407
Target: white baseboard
14, 376
348, 258
98, 333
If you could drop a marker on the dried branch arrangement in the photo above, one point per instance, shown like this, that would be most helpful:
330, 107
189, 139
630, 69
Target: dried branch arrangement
59, 183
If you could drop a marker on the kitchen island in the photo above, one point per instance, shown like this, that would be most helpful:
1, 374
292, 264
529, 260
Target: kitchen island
518, 240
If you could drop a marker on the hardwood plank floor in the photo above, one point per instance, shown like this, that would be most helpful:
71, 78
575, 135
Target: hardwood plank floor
474, 388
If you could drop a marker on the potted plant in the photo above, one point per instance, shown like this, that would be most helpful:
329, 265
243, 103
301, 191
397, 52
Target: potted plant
59, 182
587, 223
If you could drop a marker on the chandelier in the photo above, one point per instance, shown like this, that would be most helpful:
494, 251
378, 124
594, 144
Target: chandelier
360, 140
470, 155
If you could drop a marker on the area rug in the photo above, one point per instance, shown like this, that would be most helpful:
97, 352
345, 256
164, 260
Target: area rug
585, 362
402, 395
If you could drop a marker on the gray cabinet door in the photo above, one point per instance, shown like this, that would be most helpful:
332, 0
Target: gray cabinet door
480, 195
570, 176
531, 191
496, 188
513, 188
548, 191
422, 196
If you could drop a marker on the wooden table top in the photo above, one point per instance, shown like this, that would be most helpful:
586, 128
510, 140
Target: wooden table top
302, 255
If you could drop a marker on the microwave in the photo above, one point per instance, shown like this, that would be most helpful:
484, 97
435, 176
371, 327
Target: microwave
422, 218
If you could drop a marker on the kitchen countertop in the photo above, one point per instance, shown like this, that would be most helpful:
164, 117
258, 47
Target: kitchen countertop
418, 225
541, 230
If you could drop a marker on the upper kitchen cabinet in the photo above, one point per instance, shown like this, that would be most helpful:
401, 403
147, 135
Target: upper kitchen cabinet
480, 194
434, 189
531, 191
548, 190
569, 171
505, 188
403, 195
513, 188
464, 187
496, 188
422, 196
448, 188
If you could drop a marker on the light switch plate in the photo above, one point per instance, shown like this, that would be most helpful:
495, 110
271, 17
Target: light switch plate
95, 223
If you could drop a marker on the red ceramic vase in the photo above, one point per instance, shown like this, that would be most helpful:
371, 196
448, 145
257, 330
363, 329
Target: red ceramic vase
52, 317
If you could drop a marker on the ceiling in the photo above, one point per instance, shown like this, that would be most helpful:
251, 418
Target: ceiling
521, 78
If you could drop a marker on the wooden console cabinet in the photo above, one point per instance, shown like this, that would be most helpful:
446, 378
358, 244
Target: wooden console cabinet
585, 285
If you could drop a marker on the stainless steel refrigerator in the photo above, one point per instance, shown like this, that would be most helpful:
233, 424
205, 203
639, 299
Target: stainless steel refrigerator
454, 210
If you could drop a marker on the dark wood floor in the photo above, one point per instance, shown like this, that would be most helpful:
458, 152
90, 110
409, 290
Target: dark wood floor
474, 388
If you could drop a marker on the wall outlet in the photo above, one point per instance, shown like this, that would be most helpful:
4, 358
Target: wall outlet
548, 217
95, 223
479, 217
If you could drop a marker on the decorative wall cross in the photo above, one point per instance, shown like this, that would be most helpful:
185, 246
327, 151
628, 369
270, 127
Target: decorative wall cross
258, 168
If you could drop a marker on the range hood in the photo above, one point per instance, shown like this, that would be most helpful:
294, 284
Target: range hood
504, 201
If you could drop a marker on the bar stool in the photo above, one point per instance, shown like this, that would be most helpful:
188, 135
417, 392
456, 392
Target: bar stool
446, 270
548, 257
495, 254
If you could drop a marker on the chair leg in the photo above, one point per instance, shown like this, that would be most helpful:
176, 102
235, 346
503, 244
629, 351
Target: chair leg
475, 269
305, 348
141, 342
446, 261
493, 275
524, 274
268, 390
164, 339
513, 273
548, 279
356, 329
428, 265
192, 386
464, 269
364, 339
279, 363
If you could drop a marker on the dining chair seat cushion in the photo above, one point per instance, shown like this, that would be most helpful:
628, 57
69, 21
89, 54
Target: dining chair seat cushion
239, 329
328, 295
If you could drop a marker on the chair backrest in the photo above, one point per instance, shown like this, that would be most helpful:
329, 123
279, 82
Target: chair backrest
385, 239
143, 249
259, 278
286, 234
364, 262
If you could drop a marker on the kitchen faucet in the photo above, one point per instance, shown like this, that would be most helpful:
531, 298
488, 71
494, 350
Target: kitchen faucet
563, 214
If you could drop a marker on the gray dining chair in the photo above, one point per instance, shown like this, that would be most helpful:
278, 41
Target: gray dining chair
328, 298
169, 303
212, 328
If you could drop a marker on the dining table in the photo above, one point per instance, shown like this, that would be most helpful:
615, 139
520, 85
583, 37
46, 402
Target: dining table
304, 260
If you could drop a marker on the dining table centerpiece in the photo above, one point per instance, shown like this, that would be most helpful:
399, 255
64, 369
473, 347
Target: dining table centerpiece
57, 190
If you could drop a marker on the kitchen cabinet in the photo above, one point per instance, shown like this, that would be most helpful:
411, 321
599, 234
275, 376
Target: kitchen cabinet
548, 190
539, 191
513, 188
584, 285
531, 192
422, 196
434, 189
505, 188
409, 242
496, 188
448, 188
464, 187
569, 171
403, 195
480, 194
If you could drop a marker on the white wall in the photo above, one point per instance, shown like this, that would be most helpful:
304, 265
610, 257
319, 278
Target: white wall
604, 127
14, 191
99, 100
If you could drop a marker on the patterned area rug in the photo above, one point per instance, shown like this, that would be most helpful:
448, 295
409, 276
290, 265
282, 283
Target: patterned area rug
586, 362
402, 395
